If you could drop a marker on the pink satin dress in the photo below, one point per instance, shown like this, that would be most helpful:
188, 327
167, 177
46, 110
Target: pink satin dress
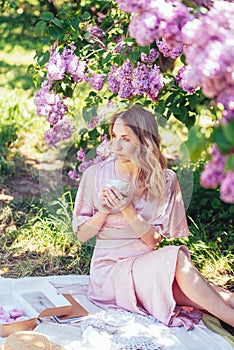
125, 273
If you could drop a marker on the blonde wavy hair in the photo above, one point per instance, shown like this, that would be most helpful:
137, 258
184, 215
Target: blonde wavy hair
148, 158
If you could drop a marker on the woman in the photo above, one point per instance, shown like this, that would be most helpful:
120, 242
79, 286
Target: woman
128, 270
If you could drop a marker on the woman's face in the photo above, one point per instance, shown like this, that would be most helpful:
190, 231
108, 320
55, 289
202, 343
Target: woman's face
124, 141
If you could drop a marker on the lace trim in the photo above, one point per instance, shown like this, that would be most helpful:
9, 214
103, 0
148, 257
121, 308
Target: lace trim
127, 330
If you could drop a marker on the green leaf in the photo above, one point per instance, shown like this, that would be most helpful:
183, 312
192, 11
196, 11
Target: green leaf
195, 144
57, 22
160, 108
193, 101
86, 15
118, 60
170, 98
46, 16
91, 154
215, 203
93, 134
39, 28
75, 24
83, 131
229, 132
56, 32
190, 121
89, 112
68, 92
107, 57
43, 57
229, 165
219, 138
133, 56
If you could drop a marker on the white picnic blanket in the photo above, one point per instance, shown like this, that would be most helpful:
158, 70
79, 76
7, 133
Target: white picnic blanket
115, 329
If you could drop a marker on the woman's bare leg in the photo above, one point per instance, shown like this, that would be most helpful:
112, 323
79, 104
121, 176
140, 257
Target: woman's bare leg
225, 294
200, 291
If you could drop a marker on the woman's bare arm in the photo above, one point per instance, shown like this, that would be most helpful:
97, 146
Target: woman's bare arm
143, 230
91, 227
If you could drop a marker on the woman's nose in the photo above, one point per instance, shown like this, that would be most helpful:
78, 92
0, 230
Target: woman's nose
117, 143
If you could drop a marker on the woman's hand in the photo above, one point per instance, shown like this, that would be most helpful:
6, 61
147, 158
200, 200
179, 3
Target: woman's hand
114, 199
102, 207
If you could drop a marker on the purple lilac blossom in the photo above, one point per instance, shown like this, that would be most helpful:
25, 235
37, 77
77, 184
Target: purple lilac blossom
73, 174
94, 121
212, 175
104, 151
182, 80
164, 49
49, 104
156, 83
226, 98
95, 31
144, 28
113, 81
126, 70
126, 90
151, 57
211, 57
173, 16
140, 80
227, 188
56, 66
80, 155
227, 116
97, 81
60, 131
133, 5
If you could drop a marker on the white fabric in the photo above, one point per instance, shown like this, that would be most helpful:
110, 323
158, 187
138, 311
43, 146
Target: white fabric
115, 329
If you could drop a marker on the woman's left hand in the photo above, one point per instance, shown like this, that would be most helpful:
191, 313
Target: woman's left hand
115, 199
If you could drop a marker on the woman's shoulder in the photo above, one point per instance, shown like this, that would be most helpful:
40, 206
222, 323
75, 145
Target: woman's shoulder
100, 166
171, 177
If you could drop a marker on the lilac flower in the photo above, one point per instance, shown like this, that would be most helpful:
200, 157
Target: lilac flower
133, 5
167, 52
182, 80
97, 81
227, 188
94, 121
156, 83
120, 47
81, 154
74, 66
60, 131
104, 137
144, 28
140, 80
113, 80
213, 173
126, 70
227, 116
126, 90
73, 174
211, 57
49, 104
79, 75
56, 66
151, 57
95, 31
174, 15
105, 149
226, 97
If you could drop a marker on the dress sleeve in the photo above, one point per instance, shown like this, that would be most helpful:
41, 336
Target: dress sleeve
172, 221
84, 202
